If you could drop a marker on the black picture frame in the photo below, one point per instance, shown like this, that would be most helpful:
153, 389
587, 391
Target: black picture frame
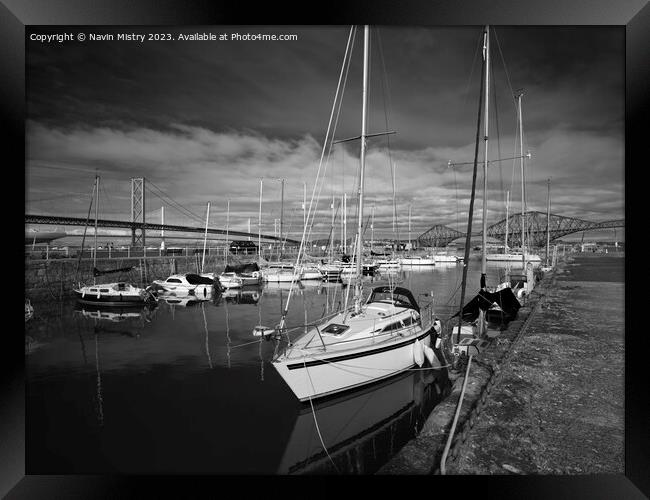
633, 15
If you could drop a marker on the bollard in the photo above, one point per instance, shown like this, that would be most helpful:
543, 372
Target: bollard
47, 252
128, 251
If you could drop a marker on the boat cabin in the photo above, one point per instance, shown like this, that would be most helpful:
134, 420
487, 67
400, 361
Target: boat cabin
394, 295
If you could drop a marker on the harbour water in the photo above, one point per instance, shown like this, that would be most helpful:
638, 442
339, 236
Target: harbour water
185, 388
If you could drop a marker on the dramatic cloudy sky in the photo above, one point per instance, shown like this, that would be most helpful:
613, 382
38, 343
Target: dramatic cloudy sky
203, 121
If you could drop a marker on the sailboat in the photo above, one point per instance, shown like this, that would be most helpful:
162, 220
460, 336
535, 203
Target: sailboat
109, 294
374, 339
521, 256
548, 266
498, 304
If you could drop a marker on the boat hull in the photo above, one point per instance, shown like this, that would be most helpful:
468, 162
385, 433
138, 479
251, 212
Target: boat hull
281, 277
324, 374
508, 257
417, 262
111, 300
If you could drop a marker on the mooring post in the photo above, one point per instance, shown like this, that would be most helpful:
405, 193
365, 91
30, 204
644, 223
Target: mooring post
128, 251
47, 251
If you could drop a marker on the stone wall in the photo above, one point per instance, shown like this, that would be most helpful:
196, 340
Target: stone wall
55, 278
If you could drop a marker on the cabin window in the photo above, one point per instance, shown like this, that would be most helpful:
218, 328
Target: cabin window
393, 326
121, 286
104, 290
334, 329
93, 289
408, 321
173, 280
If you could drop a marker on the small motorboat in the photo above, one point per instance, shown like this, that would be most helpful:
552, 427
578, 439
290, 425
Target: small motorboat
194, 284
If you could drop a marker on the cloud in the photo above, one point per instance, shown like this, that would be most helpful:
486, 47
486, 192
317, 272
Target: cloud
194, 165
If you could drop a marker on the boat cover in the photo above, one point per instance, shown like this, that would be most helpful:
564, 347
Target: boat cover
401, 294
195, 279
484, 300
242, 268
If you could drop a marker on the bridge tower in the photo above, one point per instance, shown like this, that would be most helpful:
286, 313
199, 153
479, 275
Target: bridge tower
138, 237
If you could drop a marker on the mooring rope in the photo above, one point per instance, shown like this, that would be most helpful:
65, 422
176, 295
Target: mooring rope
313, 412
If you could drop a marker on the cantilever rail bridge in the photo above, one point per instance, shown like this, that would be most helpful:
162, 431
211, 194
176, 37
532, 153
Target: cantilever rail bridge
79, 221
535, 227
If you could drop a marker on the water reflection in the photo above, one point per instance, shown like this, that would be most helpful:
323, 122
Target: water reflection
363, 429
128, 391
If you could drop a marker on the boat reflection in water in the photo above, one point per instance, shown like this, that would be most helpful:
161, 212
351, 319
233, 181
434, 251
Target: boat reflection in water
245, 295
363, 429
115, 314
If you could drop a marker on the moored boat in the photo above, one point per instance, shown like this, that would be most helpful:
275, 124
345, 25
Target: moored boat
114, 294
417, 260
189, 283
385, 337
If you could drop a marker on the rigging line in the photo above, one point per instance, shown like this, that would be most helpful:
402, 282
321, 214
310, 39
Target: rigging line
514, 159
469, 81
318, 173
336, 121
505, 67
313, 412
496, 117
386, 98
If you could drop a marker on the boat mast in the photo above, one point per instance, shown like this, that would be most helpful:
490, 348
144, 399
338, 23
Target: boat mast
372, 230
162, 231
304, 205
486, 51
523, 194
205, 237
259, 225
281, 217
366, 47
505, 249
548, 222
331, 243
410, 246
227, 227
468, 233
345, 223
96, 217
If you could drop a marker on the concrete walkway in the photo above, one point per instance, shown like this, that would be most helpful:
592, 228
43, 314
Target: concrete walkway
558, 407
555, 405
